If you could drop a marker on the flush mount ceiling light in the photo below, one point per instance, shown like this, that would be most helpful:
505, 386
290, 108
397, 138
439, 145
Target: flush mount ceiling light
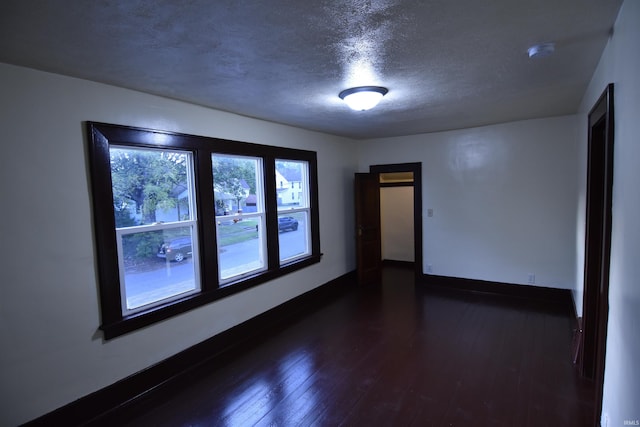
363, 97
541, 50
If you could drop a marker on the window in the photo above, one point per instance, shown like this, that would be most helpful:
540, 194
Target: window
240, 228
293, 215
182, 220
149, 188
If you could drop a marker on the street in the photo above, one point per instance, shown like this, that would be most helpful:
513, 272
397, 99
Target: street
172, 278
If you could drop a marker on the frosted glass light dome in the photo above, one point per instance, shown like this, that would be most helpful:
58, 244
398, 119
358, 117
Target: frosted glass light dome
364, 97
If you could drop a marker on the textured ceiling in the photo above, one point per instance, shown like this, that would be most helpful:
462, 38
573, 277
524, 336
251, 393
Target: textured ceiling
448, 64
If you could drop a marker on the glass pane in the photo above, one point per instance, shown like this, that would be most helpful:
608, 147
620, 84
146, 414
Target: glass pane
292, 184
237, 184
240, 247
293, 235
150, 186
158, 265
239, 206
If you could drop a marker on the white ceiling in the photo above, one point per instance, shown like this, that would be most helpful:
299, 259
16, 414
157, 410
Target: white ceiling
448, 64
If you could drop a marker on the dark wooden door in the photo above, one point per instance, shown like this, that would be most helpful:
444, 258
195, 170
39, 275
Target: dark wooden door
597, 243
368, 236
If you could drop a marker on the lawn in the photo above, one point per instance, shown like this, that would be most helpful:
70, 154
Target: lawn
230, 233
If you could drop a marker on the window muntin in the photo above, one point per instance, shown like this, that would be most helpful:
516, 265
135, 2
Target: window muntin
154, 212
240, 215
294, 227
122, 220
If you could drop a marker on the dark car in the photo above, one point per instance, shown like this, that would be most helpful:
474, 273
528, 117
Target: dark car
287, 223
176, 249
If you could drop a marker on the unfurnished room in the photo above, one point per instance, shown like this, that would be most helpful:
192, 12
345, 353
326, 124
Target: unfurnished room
340, 212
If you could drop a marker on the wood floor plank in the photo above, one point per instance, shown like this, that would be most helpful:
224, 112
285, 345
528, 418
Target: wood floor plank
397, 355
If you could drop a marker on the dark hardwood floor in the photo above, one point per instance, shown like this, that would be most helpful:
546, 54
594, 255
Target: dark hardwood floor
397, 354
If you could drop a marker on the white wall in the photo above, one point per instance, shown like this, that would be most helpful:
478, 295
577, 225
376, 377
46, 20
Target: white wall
52, 352
503, 198
396, 223
620, 64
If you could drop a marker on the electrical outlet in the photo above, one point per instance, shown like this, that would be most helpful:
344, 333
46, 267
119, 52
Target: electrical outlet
429, 268
532, 278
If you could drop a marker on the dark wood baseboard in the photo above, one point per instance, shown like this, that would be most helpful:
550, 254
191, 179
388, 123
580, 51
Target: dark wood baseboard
95, 407
530, 292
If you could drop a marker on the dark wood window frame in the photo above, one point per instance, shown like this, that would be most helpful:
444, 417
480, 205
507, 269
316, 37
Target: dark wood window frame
101, 136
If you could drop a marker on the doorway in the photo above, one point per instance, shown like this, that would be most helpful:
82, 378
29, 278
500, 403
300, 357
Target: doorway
368, 219
396, 217
597, 244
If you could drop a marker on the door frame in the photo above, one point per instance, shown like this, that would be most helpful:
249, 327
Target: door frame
595, 310
416, 168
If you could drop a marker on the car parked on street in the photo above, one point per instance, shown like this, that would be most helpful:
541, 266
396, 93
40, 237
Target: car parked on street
176, 249
287, 223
